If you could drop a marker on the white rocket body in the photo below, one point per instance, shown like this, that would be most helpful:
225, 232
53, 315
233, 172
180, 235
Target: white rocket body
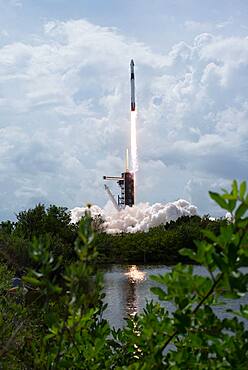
126, 180
132, 86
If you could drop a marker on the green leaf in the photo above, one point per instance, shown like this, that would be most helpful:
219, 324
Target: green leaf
161, 279
224, 190
220, 262
182, 321
235, 188
244, 310
226, 233
232, 204
188, 253
219, 200
32, 280
241, 211
210, 235
242, 190
229, 196
159, 292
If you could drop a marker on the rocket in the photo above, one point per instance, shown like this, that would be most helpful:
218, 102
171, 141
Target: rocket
132, 86
126, 180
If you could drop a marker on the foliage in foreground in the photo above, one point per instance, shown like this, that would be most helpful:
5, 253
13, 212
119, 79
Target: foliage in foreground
62, 327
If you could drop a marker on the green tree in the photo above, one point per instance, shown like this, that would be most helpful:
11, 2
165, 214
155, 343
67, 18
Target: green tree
53, 225
67, 329
193, 336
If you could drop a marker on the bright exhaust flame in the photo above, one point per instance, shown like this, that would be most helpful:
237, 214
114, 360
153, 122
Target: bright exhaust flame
134, 157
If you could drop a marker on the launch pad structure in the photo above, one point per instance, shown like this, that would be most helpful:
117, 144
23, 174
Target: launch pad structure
126, 179
126, 184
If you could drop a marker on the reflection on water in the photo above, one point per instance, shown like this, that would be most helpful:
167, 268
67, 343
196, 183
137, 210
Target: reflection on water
128, 287
134, 277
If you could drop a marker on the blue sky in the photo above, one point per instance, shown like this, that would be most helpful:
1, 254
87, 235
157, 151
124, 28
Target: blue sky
64, 99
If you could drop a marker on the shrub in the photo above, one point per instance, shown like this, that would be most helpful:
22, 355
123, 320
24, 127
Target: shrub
67, 329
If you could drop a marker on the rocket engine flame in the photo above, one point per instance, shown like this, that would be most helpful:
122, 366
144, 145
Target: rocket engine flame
134, 156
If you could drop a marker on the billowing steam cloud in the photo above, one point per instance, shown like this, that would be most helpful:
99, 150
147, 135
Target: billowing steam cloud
140, 217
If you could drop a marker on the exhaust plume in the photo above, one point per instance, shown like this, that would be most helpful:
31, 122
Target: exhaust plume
134, 156
140, 217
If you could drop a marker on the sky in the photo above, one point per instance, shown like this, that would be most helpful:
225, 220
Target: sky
65, 99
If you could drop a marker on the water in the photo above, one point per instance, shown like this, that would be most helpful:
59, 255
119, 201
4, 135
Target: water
127, 289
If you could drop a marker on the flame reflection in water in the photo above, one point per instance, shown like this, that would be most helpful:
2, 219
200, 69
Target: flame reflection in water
134, 277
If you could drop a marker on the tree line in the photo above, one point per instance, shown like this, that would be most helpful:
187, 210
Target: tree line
53, 225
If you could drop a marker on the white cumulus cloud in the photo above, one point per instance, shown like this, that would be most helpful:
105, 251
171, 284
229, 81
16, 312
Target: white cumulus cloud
64, 106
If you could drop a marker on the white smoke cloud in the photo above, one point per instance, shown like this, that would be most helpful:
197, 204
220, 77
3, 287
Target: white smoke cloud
65, 113
140, 217
78, 212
